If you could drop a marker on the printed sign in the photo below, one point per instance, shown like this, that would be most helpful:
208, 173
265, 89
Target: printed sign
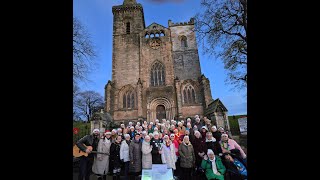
243, 125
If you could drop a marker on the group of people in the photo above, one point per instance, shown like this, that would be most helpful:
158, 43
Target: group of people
195, 149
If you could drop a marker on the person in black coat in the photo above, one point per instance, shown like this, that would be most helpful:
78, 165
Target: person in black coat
87, 162
236, 167
115, 157
213, 144
156, 149
215, 133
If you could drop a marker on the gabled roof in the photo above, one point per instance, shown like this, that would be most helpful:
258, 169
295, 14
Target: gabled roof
158, 26
212, 107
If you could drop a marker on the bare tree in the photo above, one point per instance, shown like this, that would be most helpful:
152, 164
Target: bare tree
83, 52
87, 103
222, 31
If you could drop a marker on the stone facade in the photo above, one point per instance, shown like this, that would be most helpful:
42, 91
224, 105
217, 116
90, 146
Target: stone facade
155, 70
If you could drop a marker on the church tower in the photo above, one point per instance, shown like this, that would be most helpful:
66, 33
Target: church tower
128, 21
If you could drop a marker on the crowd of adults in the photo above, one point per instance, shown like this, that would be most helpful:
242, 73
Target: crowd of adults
193, 149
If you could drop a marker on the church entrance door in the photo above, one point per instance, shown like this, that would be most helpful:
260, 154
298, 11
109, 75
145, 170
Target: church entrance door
161, 112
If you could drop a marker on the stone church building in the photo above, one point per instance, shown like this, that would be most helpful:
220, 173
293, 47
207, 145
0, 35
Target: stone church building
155, 70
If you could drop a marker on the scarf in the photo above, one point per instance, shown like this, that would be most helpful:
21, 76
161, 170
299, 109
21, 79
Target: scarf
213, 140
222, 144
214, 166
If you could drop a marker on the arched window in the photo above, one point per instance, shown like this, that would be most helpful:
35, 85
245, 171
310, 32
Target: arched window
128, 28
157, 75
184, 41
189, 95
128, 100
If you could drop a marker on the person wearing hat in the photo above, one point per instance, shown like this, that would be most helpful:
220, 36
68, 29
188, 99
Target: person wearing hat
115, 157
199, 149
135, 155
150, 128
187, 158
124, 154
228, 145
213, 144
156, 152
236, 167
203, 132
87, 144
168, 155
176, 149
146, 153
101, 162
132, 132
215, 133
198, 123
213, 166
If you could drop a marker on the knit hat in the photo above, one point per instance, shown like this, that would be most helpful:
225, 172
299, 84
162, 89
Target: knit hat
210, 152
204, 127
96, 130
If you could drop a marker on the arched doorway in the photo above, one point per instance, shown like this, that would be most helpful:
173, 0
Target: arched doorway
161, 112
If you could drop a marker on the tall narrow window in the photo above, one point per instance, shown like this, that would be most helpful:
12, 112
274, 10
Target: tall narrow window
124, 101
185, 97
132, 100
189, 95
128, 28
128, 101
157, 74
193, 96
184, 41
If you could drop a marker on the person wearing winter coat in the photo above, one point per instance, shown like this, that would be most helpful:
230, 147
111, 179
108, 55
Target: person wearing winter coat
135, 155
191, 131
227, 145
124, 154
176, 148
168, 155
100, 165
132, 132
199, 148
236, 167
86, 162
146, 153
187, 158
156, 144
213, 144
198, 123
215, 133
115, 157
203, 132
213, 166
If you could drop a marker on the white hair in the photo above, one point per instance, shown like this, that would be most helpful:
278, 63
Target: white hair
197, 132
155, 133
126, 135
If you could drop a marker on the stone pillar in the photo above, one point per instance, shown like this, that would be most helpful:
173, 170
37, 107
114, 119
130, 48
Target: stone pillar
227, 121
139, 97
206, 90
179, 97
107, 96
